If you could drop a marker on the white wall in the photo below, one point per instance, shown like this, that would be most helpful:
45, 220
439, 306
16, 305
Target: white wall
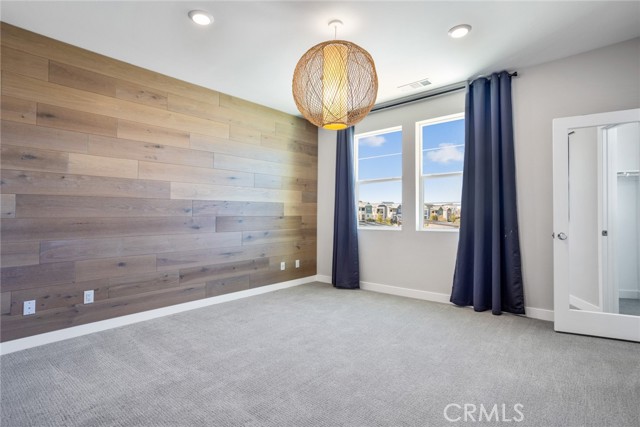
605, 79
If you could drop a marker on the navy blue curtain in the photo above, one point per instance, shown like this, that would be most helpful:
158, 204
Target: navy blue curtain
488, 272
346, 267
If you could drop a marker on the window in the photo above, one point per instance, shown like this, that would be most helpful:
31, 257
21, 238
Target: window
441, 144
379, 178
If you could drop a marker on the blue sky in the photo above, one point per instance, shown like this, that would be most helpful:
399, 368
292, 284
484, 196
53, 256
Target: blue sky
380, 156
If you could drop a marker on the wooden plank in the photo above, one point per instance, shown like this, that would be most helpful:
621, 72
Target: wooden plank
38, 206
114, 267
62, 184
301, 135
268, 181
14, 327
179, 173
35, 276
240, 134
153, 134
200, 257
21, 39
250, 151
277, 236
133, 92
217, 207
16, 230
309, 197
192, 107
275, 275
243, 120
288, 144
148, 151
305, 256
309, 221
180, 190
92, 103
228, 284
56, 296
18, 110
301, 209
84, 249
5, 302
149, 282
33, 159
7, 205
250, 223
129, 304
20, 62
25, 135
218, 271
78, 78
299, 183
269, 277
243, 164
80, 121
84, 164
247, 107
16, 254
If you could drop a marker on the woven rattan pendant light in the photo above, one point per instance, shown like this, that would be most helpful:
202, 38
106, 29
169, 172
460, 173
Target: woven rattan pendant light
335, 83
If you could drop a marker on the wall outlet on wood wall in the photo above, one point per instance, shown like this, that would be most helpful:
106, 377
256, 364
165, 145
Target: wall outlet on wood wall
29, 307
282, 265
88, 297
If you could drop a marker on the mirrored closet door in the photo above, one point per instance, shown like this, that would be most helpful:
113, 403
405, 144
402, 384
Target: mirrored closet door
597, 224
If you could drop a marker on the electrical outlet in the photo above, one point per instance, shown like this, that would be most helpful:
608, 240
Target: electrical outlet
282, 265
297, 263
29, 307
88, 297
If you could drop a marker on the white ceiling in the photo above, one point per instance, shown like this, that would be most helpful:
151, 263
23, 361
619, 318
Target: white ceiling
251, 49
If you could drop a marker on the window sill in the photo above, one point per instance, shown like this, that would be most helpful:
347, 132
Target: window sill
378, 229
440, 230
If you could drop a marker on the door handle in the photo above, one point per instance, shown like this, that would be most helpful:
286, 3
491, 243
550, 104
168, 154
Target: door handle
562, 236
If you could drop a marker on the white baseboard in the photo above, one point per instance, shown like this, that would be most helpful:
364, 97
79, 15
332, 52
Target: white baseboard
405, 292
581, 304
539, 313
532, 312
102, 325
629, 293
323, 279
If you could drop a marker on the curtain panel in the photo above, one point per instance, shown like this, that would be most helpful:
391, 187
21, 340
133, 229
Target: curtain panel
488, 274
346, 267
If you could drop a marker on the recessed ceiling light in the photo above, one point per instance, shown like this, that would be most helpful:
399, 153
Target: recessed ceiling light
459, 31
201, 17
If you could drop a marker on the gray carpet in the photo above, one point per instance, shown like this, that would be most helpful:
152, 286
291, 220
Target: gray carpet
316, 356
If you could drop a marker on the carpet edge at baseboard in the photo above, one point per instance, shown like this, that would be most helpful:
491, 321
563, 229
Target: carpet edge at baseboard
532, 312
103, 325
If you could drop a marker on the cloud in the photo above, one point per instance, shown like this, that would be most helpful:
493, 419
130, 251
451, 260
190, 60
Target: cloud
446, 153
373, 141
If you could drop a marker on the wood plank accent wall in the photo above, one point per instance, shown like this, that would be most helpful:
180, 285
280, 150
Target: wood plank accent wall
149, 190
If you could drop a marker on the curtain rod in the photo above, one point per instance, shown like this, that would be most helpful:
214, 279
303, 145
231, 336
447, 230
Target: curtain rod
429, 94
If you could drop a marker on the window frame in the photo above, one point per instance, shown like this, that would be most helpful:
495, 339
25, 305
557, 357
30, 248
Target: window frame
420, 177
356, 139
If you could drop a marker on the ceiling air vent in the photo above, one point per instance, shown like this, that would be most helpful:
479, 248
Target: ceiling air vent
415, 85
